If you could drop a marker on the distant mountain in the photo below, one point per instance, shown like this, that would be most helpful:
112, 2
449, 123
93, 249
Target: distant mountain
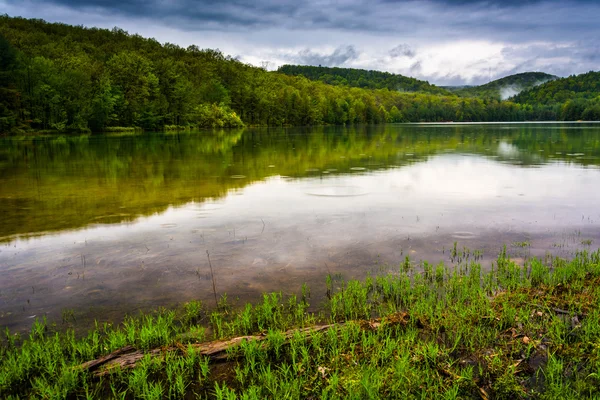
502, 89
361, 78
576, 97
575, 87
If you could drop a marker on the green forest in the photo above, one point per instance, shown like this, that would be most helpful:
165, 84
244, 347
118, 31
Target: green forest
60, 78
361, 78
577, 97
506, 87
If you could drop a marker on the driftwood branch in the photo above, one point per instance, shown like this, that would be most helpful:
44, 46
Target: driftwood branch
94, 364
128, 356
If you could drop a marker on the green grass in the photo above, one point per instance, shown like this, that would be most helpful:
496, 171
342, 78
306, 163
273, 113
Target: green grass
415, 331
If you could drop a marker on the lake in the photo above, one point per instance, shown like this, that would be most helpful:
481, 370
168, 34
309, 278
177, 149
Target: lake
106, 226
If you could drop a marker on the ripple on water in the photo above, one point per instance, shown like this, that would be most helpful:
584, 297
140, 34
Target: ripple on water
237, 176
463, 235
168, 225
336, 191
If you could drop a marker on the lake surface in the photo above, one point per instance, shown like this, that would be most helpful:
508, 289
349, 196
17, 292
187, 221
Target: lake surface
109, 225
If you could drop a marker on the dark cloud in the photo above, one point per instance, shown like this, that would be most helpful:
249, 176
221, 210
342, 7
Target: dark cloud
593, 55
402, 50
415, 68
338, 57
498, 18
189, 14
459, 80
557, 59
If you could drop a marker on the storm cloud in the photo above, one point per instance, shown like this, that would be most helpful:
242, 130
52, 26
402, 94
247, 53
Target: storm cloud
444, 41
337, 57
402, 50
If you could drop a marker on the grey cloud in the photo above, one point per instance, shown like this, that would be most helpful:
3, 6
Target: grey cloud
552, 58
457, 80
416, 67
402, 50
441, 18
581, 56
339, 56
187, 14
592, 54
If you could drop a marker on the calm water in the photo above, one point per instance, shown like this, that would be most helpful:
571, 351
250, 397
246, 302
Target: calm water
106, 226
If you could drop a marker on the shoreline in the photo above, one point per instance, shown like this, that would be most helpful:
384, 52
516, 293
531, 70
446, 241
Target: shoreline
136, 130
528, 331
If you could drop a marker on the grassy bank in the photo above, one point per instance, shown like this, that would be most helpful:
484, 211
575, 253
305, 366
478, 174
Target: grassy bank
412, 331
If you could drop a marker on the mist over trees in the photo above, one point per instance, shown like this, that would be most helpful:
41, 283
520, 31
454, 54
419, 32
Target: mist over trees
572, 98
504, 88
61, 78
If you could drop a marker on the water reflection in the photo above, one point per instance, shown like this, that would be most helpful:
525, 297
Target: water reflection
109, 225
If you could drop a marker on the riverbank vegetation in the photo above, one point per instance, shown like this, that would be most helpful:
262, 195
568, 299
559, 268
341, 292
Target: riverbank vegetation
410, 331
60, 78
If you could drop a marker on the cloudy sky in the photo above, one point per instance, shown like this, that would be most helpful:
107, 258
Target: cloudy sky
443, 41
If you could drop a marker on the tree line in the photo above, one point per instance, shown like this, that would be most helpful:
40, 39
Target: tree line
508, 84
366, 79
56, 77
576, 97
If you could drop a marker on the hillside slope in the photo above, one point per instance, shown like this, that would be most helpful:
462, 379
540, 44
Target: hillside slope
361, 78
504, 88
576, 97
60, 78
575, 87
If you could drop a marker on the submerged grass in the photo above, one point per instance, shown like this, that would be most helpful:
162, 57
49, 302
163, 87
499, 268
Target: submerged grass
517, 331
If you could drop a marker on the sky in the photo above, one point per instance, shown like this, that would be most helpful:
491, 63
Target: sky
445, 42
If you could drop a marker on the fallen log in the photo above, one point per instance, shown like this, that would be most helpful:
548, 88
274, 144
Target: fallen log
127, 357
94, 364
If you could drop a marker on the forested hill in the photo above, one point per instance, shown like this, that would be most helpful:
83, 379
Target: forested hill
57, 77
504, 88
361, 78
575, 87
578, 96
61, 78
